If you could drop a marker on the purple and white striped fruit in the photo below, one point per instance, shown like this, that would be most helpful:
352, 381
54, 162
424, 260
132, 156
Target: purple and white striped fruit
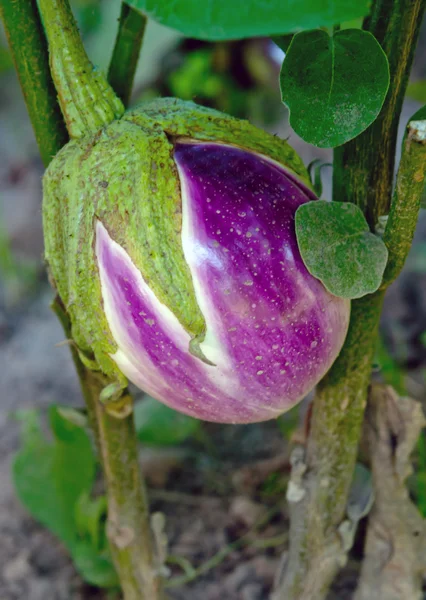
182, 267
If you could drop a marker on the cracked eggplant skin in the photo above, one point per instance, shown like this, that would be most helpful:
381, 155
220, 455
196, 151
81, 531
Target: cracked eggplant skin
170, 239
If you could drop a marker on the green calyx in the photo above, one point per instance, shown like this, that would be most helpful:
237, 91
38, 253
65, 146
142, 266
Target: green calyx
87, 101
119, 169
125, 176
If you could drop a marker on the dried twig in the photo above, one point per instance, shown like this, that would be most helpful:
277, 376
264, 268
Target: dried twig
395, 551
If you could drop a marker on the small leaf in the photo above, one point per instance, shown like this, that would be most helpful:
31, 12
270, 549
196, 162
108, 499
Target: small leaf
75, 416
90, 516
283, 41
94, 567
419, 115
91, 553
361, 493
417, 90
333, 86
5, 60
224, 20
49, 477
390, 370
338, 248
314, 170
158, 424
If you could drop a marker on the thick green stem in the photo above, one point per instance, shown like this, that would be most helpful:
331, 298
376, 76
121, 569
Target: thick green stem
405, 206
126, 52
29, 51
363, 170
320, 483
82, 372
339, 409
129, 532
88, 104
87, 101
322, 474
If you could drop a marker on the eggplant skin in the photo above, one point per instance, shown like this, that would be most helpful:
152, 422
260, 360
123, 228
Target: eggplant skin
170, 240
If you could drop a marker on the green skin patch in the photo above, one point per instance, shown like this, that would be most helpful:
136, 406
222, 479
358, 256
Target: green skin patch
125, 176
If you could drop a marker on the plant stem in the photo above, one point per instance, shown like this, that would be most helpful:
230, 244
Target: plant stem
317, 551
129, 532
364, 167
395, 545
405, 205
363, 174
87, 101
82, 372
126, 51
29, 51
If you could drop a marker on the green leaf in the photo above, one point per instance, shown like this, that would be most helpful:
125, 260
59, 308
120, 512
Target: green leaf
419, 115
75, 416
417, 90
158, 424
352, 24
224, 20
361, 493
391, 372
49, 477
283, 41
5, 60
314, 170
91, 553
94, 567
333, 86
90, 515
53, 480
338, 248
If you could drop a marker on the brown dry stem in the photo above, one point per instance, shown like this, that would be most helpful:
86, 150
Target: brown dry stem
395, 549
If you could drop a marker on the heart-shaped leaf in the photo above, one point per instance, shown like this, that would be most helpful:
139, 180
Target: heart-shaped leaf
224, 20
334, 86
338, 248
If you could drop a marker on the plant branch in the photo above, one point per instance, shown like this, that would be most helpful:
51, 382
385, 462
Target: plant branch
321, 477
29, 51
395, 548
405, 205
126, 51
396, 25
88, 104
129, 532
